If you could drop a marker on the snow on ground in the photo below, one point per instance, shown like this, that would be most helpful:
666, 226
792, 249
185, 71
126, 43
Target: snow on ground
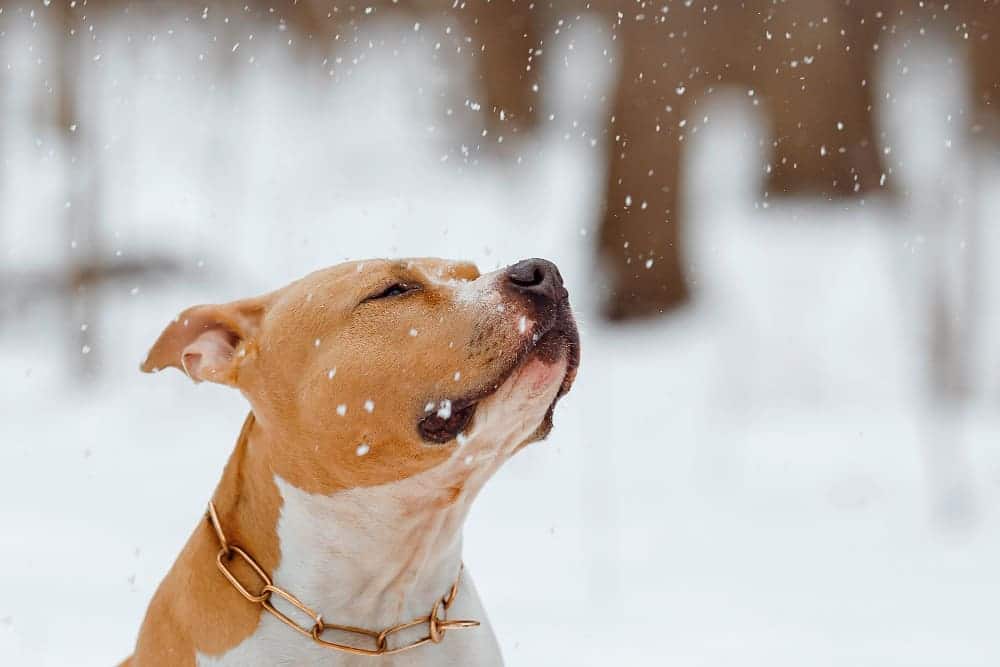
743, 482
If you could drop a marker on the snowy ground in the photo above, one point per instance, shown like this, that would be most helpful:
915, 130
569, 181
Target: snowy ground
757, 480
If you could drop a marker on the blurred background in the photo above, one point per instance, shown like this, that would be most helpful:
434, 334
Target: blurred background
776, 220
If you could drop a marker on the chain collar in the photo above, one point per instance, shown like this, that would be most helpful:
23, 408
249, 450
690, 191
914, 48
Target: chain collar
437, 621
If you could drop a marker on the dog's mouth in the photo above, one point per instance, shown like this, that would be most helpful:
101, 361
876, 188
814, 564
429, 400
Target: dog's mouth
446, 422
554, 341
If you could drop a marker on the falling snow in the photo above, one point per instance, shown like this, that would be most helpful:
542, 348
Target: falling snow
789, 388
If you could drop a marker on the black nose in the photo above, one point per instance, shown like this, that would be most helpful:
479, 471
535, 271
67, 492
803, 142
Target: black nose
537, 277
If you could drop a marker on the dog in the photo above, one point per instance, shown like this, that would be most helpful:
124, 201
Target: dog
383, 395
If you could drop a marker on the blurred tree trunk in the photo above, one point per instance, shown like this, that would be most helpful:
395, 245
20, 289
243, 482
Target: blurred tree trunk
810, 82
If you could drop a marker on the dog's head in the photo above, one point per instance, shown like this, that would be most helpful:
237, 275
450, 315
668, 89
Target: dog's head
379, 370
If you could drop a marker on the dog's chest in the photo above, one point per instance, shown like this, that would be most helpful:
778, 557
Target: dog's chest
325, 568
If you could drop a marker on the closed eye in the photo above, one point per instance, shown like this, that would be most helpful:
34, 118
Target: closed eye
396, 289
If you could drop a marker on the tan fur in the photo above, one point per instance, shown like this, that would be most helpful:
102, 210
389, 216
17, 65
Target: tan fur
284, 345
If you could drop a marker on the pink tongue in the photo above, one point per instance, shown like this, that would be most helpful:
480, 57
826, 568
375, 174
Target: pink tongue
541, 374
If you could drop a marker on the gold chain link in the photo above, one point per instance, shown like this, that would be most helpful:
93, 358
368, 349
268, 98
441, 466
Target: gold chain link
437, 621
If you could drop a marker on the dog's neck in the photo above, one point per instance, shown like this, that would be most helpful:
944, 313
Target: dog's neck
366, 556
372, 556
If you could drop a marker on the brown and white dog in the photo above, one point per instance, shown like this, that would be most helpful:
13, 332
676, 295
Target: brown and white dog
384, 394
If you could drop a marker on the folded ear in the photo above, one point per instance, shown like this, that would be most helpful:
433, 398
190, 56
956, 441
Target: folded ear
208, 342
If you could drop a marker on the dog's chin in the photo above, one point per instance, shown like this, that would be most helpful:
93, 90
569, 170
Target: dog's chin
543, 371
533, 386
542, 377
546, 377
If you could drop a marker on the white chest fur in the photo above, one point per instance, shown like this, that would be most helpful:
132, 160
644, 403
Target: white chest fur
374, 563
